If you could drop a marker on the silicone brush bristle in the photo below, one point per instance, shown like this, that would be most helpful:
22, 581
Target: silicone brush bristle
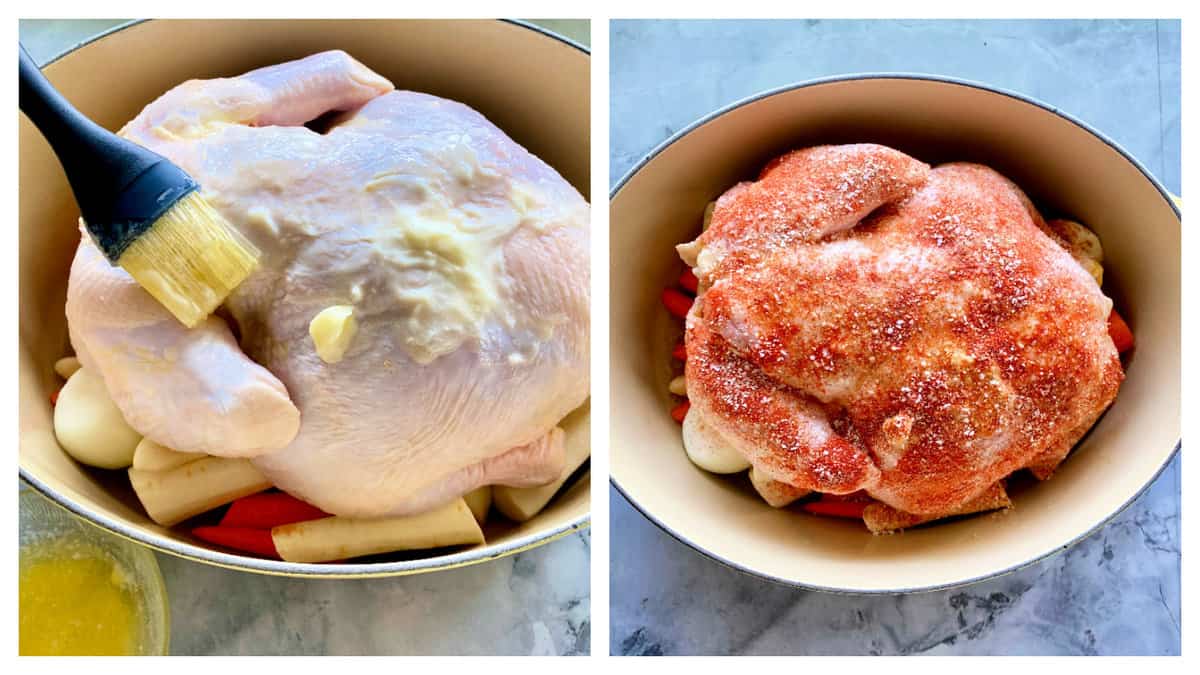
190, 259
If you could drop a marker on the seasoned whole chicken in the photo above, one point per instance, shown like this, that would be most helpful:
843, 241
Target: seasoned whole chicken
865, 322
418, 325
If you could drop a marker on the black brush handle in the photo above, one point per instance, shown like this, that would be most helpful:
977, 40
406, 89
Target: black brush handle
121, 187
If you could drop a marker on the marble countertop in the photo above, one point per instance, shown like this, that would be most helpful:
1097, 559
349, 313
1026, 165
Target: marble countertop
1115, 593
536, 602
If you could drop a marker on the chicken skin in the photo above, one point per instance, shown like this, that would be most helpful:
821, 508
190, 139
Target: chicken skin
868, 323
418, 324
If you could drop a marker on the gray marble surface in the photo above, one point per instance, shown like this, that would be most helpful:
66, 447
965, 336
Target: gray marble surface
1115, 593
536, 602
533, 603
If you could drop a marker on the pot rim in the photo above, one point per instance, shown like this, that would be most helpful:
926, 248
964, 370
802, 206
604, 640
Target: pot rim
134, 22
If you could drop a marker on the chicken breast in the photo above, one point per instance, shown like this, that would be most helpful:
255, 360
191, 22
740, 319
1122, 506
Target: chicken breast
453, 262
867, 322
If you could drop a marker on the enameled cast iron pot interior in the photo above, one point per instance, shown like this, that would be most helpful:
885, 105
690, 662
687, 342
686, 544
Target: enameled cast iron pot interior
532, 84
1065, 167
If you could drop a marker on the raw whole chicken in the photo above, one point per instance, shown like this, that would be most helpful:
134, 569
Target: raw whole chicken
418, 325
865, 322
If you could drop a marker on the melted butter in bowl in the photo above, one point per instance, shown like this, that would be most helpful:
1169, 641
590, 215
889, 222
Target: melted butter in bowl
84, 592
77, 600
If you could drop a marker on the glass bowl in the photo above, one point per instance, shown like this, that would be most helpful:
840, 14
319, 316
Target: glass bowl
45, 524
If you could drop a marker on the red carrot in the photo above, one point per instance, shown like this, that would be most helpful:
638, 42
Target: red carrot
269, 509
680, 352
689, 281
836, 509
54, 396
680, 411
246, 539
676, 303
1119, 331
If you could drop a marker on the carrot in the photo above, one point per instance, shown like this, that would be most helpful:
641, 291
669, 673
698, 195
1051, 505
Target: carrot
246, 539
1119, 331
676, 303
680, 352
689, 281
54, 396
269, 509
680, 411
836, 509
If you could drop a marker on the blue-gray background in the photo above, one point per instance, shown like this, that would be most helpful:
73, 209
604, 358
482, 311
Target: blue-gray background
1115, 593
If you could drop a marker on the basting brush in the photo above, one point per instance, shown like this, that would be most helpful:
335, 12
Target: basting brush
142, 211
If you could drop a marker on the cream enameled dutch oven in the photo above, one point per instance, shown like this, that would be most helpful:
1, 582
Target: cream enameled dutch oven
1064, 165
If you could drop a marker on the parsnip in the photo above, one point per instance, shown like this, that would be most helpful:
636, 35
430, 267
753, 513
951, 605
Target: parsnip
479, 501
180, 493
521, 504
150, 456
337, 538
774, 492
1083, 245
678, 386
66, 366
708, 214
90, 427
